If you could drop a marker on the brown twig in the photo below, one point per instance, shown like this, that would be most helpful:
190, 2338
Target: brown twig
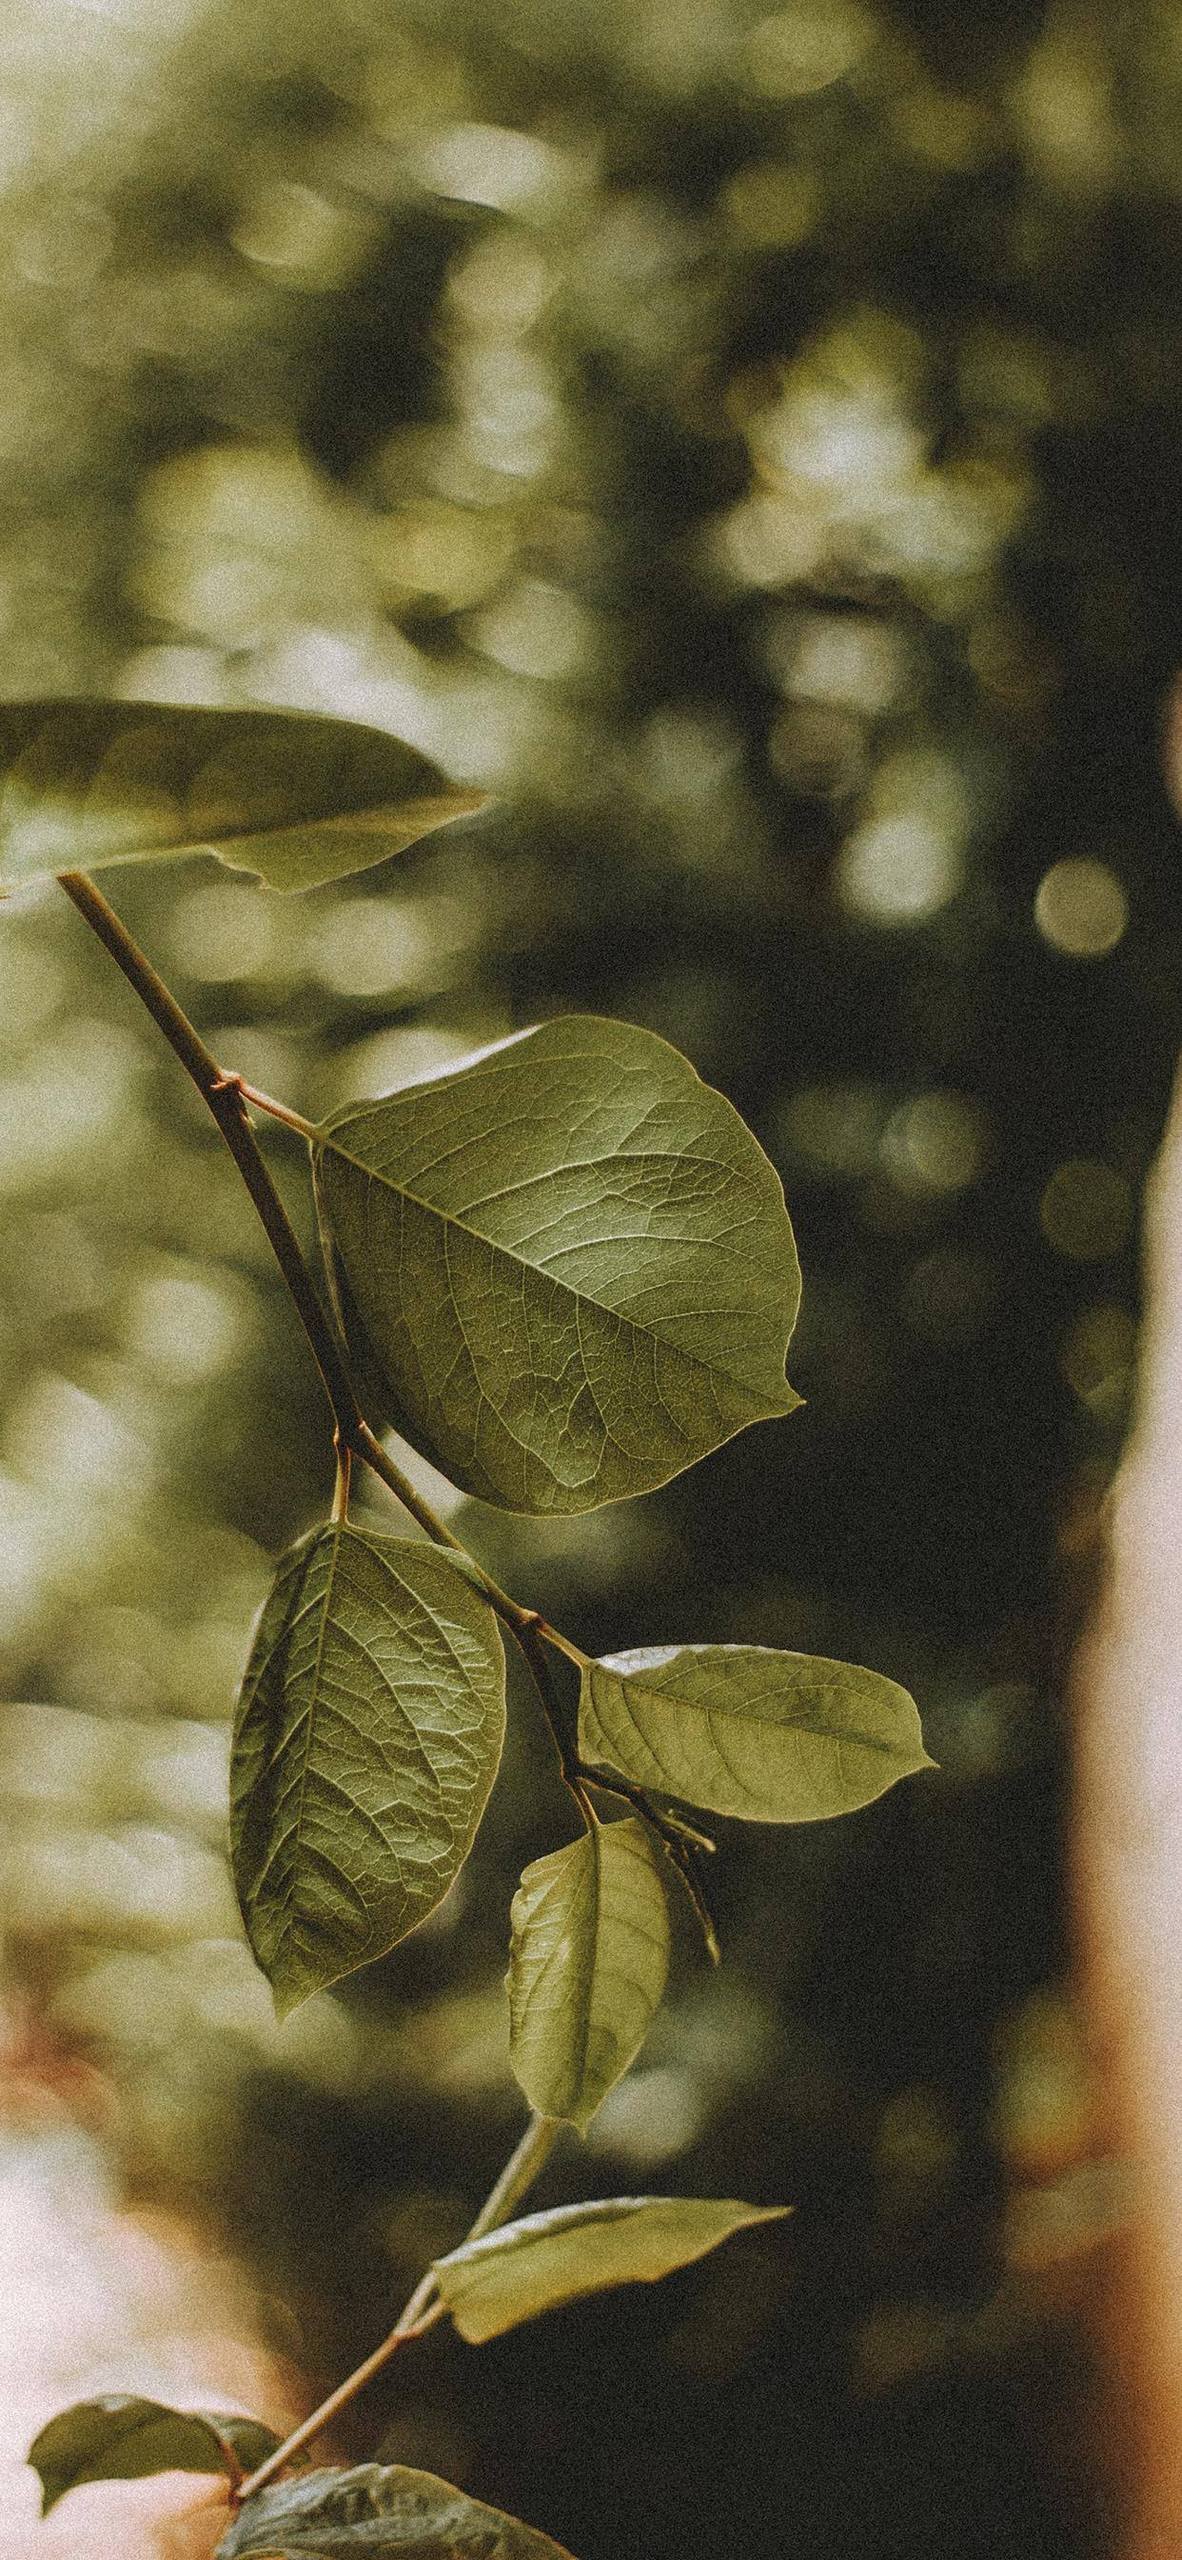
421, 2313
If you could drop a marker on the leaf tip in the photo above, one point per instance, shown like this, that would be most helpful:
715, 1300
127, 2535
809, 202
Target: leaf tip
467, 799
289, 1987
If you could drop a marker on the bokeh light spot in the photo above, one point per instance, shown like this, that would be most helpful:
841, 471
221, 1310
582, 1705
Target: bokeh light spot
1081, 908
835, 1128
898, 870
934, 1143
223, 935
1097, 1358
800, 50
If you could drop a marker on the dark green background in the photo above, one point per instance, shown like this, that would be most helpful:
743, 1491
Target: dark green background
323, 386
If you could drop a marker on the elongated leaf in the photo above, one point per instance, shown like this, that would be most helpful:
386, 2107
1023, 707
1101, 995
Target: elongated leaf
571, 1260
120, 2438
362, 2514
588, 1966
549, 2258
739, 1729
368, 1735
295, 797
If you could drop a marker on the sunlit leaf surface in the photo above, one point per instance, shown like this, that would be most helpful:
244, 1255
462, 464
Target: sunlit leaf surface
297, 798
571, 1259
546, 2259
368, 1736
589, 1958
740, 1729
118, 2437
361, 2514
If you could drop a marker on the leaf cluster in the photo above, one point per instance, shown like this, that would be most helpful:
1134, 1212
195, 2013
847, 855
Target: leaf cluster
569, 1270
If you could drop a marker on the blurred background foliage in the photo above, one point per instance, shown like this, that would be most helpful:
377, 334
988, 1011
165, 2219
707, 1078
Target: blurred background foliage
748, 445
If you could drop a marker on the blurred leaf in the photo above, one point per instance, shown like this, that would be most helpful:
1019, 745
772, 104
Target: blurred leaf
588, 1966
368, 1736
334, 2515
739, 1729
550, 2258
298, 798
571, 1259
122, 2438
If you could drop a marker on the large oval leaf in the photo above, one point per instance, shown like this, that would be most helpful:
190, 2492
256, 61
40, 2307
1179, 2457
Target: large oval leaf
121, 2438
361, 2514
298, 798
368, 1735
549, 2258
571, 1259
588, 1965
739, 1729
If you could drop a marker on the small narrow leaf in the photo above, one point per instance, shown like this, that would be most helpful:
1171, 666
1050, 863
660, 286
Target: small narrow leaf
121, 2438
589, 1960
550, 2258
297, 798
368, 1735
739, 1729
367, 2513
571, 1261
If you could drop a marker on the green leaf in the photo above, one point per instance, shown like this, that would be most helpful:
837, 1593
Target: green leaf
361, 2514
549, 2258
368, 1735
738, 1729
571, 1260
295, 797
589, 1960
120, 2438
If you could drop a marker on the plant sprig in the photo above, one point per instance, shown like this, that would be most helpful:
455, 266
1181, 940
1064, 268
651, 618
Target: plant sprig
567, 1268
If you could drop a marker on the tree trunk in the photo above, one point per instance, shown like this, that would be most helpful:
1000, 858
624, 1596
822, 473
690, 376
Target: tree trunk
1128, 1831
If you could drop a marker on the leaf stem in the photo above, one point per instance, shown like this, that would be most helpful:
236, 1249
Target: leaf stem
562, 1644
422, 2312
275, 1110
678, 1839
340, 1497
521, 2168
532, 1640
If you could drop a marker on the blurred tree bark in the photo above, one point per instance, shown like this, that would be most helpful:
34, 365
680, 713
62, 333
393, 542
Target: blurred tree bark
1129, 1875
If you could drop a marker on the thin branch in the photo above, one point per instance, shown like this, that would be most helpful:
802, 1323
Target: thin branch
226, 1097
420, 2315
521, 2168
421, 2312
678, 1839
369, 1447
225, 1100
531, 1639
